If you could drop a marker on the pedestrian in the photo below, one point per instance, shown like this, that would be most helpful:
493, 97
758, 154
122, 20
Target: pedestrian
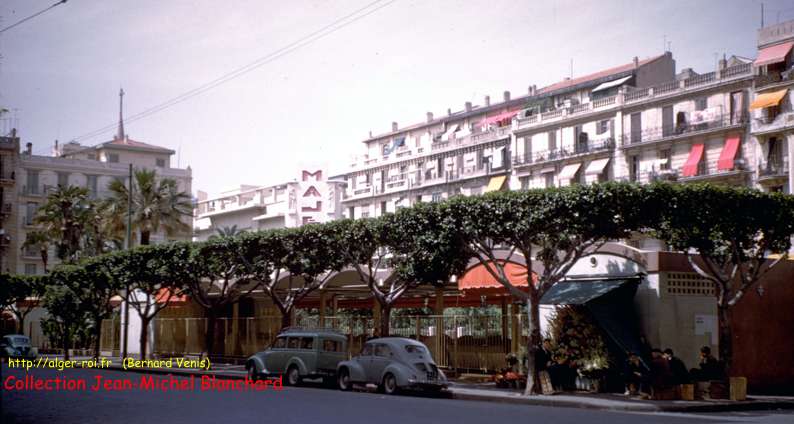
677, 367
710, 368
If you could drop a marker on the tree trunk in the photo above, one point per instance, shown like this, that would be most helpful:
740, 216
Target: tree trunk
209, 336
67, 341
145, 238
725, 337
385, 319
533, 313
144, 335
98, 340
20, 324
286, 318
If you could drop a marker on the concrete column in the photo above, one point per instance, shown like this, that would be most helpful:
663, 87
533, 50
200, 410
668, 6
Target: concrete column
321, 322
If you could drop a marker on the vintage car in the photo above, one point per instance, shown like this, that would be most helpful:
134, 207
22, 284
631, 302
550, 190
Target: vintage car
17, 346
392, 363
300, 353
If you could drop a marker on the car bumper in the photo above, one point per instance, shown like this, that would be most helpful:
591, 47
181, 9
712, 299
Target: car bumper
427, 385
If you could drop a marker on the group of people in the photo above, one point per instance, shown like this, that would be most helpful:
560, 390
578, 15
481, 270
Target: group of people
665, 370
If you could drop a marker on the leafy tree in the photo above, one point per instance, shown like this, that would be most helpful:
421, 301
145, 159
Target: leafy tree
39, 239
66, 315
156, 204
727, 235
20, 294
92, 280
553, 227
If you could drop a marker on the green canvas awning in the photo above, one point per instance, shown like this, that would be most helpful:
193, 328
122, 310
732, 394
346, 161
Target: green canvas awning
579, 292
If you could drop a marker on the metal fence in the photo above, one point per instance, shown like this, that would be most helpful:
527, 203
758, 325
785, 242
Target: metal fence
462, 342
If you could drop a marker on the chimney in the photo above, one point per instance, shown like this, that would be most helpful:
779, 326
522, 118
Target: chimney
636, 62
507, 96
449, 112
370, 133
487, 100
394, 126
429, 116
532, 90
468, 106
29, 149
722, 64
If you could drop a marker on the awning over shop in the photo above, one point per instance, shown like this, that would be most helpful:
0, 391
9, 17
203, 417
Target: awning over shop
691, 165
500, 117
614, 83
479, 278
597, 166
496, 183
569, 171
772, 98
168, 296
728, 154
579, 292
773, 54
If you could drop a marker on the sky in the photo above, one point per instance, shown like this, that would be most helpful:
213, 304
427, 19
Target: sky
60, 72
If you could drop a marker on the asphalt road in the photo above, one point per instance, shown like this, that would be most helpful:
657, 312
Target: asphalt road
303, 405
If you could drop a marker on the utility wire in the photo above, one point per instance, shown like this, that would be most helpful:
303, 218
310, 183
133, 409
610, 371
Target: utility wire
32, 16
289, 48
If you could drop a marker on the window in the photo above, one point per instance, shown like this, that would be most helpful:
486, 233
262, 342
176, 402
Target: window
113, 157
294, 342
332, 346
415, 349
30, 269
351, 212
161, 162
91, 184
30, 212
524, 182
549, 179
382, 350
603, 126
366, 350
634, 168
701, 103
581, 140
383, 208
552, 140
737, 107
636, 127
665, 156
436, 197
91, 156
33, 182
280, 343
667, 121
63, 179
307, 343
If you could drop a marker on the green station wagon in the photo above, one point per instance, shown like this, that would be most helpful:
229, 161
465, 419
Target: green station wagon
299, 353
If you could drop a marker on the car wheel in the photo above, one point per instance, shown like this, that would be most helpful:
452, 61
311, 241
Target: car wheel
251, 371
343, 380
293, 376
389, 385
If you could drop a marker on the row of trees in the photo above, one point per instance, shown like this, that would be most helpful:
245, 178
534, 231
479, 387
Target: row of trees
726, 233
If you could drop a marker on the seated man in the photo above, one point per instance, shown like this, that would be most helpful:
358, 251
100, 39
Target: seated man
635, 375
677, 367
710, 368
661, 377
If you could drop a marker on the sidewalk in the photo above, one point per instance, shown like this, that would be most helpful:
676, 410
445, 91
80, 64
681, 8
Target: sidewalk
488, 393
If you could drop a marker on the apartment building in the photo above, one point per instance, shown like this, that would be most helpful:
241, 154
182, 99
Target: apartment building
92, 167
310, 197
9, 158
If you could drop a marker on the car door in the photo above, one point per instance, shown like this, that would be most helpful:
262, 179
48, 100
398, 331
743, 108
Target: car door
364, 359
381, 357
274, 360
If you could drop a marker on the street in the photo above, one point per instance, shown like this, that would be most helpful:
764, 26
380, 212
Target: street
292, 405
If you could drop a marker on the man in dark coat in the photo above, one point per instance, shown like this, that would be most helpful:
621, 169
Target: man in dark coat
661, 375
710, 367
677, 367
635, 375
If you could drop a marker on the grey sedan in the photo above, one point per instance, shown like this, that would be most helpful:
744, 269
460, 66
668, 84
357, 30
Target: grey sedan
392, 363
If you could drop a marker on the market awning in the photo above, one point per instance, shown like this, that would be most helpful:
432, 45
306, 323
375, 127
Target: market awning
568, 171
772, 98
500, 117
773, 54
691, 165
613, 83
495, 184
728, 154
579, 292
479, 278
597, 166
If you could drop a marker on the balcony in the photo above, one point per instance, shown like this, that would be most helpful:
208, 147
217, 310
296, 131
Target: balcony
662, 175
773, 78
707, 171
653, 135
547, 156
767, 123
36, 190
773, 170
7, 178
5, 210
671, 88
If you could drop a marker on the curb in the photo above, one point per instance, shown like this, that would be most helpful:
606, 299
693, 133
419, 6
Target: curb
550, 402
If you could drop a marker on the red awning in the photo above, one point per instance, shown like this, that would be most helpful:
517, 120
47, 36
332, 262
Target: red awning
168, 296
479, 278
500, 117
728, 154
691, 165
773, 54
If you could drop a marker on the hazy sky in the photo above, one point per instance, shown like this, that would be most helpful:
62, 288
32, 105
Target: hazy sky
61, 72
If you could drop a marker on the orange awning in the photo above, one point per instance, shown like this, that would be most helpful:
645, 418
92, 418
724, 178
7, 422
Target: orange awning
770, 99
728, 154
479, 278
773, 54
691, 166
167, 296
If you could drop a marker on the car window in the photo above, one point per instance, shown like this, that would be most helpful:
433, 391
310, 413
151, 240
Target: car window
294, 342
382, 350
307, 343
415, 349
332, 346
21, 341
366, 350
280, 343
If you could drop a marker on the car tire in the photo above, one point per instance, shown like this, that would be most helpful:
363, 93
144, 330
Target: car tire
389, 384
251, 372
293, 376
343, 380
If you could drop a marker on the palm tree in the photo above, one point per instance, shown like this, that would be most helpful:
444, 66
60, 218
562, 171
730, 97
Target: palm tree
156, 205
39, 239
226, 232
62, 221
